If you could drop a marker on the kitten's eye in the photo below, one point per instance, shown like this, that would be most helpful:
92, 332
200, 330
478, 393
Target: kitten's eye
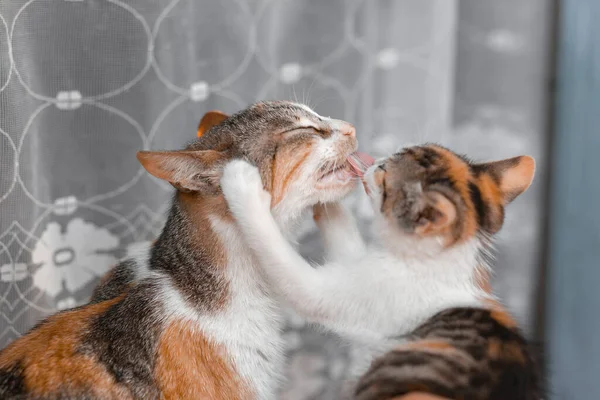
381, 167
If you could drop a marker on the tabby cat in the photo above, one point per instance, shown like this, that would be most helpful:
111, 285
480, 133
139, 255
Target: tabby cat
418, 290
193, 318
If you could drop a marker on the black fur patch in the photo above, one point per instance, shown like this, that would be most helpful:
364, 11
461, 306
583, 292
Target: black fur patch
117, 283
189, 265
124, 340
479, 204
428, 157
12, 385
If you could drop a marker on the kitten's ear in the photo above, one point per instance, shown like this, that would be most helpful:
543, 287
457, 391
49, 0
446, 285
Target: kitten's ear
513, 175
209, 120
185, 169
437, 216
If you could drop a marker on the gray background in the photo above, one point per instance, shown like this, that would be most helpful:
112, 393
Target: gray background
573, 273
85, 84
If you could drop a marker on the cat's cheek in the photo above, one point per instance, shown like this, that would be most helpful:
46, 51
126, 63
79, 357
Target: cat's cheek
291, 167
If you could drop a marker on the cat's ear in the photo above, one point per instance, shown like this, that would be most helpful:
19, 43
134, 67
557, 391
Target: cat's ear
186, 170
209, 120
513, 175
436, 216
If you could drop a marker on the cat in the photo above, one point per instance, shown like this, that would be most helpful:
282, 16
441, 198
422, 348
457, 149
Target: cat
435, 215
193, 318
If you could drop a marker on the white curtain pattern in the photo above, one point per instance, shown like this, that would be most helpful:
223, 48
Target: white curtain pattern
84, 84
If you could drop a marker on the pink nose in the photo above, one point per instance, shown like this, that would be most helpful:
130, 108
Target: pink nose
348, 130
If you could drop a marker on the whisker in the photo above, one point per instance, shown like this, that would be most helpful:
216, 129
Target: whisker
308, 92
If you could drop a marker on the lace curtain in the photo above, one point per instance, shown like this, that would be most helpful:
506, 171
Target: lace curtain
84, 84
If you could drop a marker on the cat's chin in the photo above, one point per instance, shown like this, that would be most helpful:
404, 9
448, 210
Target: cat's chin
339, 179
337, 176
345, 184
335, 191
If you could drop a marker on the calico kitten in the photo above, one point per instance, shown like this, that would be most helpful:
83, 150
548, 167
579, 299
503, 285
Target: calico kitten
193, 318
435, 214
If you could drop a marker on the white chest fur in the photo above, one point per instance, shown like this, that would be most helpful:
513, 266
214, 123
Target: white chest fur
250, 327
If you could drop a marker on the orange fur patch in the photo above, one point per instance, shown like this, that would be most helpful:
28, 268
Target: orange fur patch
427, 345
504, 318
199, 207
499, 314
284, 171
51, 363
209, 120
189, 366
458, 172
490, 192
432, 345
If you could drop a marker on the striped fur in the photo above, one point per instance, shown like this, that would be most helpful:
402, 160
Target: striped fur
192, 317
460, 353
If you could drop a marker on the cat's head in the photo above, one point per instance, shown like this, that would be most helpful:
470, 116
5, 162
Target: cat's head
430, 192
302, 156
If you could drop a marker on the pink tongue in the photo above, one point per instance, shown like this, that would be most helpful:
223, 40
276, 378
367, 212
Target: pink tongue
360, 162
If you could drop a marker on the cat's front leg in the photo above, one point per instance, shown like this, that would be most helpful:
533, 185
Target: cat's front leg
250, 205
318, 294
290, 274
342, 238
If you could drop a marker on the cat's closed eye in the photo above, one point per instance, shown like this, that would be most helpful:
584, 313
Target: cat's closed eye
298, 129
307, 130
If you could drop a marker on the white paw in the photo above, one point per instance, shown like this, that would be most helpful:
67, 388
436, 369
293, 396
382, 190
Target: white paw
243, 189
